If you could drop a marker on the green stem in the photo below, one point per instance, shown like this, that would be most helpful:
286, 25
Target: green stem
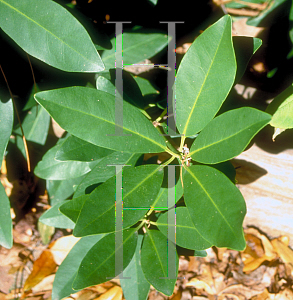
172, 153
162, 115
153, 223
143, 221
182, 143
145, 113
149, 105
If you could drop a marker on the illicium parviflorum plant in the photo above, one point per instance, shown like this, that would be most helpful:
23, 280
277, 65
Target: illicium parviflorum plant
210, 209
123, 207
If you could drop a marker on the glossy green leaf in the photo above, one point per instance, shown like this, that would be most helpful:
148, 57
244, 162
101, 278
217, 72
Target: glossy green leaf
6, 123
155, 262
6, 239
244, 47
31, 102
215, 205
76, 149
99, 263
59, 190
227, 135
205, 77
138, 45
135, 286
187, 235
35, 125
72, 208
162, 200
90, 115
50, 168
145, 86
47, 31
131, 90
200, 253
53, 217
281, 109
98, 212
67, 271
103, 171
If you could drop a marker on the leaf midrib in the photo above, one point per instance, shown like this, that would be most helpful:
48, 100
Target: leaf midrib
215, 205
156, 250
113, 206
182, 226
226, 138
201, 88
121, 245
108, 121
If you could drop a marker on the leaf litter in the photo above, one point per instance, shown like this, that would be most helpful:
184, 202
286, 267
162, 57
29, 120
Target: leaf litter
263, 271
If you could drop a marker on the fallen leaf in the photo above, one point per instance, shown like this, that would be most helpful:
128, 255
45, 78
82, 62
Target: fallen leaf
85, 295
283, 295
115, 293
252, 264
6, 279
199, 284
45, 285
100, 288
228, 296
177, 295
23, 231
285, 253
251, 279
43, 266
240, 290
10, 257
254, 246
259, 249
263, 296
193, 265
2, 296
61, 247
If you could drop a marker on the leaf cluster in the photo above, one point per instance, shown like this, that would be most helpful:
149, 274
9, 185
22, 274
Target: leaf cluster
123, 206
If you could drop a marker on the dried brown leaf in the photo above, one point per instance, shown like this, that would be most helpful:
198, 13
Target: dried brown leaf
241, 290
43, 266
259, 249
285, 253
283, 295
45, 285
177, 295
115, 293
201, 285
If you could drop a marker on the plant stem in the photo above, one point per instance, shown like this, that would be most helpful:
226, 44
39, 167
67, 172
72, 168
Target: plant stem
143, 221
145, 113
161, 115
153, 223
172, 153
182, 143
